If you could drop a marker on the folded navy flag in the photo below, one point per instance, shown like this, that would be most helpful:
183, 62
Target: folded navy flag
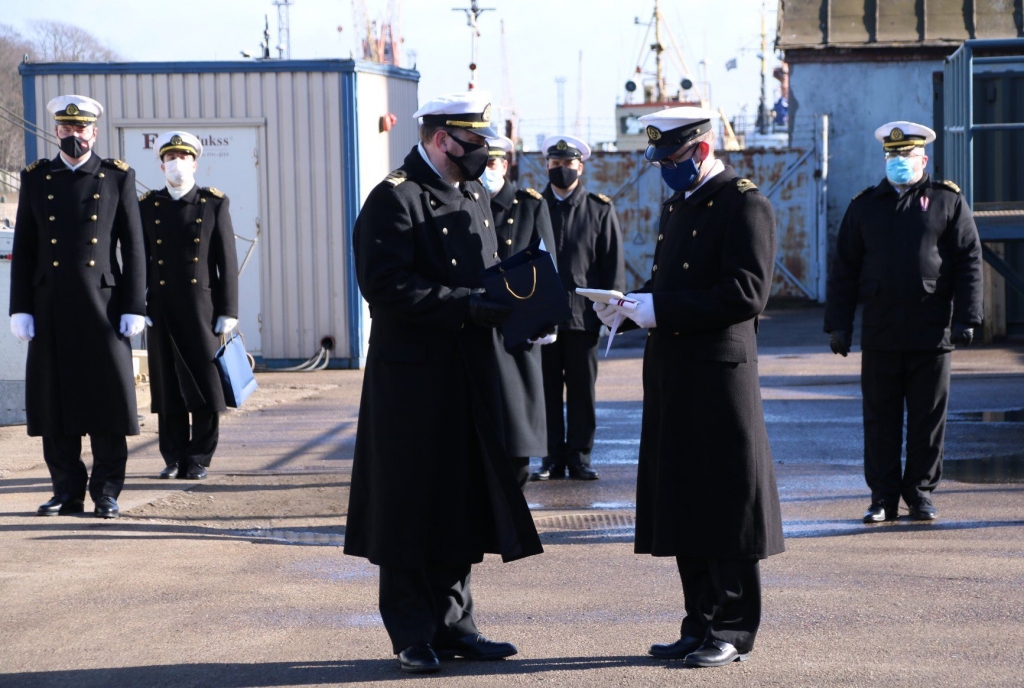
529, 283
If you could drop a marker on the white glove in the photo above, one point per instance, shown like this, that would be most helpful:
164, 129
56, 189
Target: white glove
149, 321
606, 313
132, 325
23, 326
225, 324
550, 339
643, 314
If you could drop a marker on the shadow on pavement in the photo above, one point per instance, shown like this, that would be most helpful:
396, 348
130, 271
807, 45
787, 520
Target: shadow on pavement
238, 675
87, 527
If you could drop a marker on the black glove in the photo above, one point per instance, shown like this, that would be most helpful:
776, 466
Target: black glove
486, 313
962, 335
840, 342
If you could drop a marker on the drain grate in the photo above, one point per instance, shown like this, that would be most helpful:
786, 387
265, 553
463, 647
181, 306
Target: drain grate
603, 520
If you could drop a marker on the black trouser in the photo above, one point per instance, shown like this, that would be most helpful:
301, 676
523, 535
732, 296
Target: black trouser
186, 445
426, 605
888, 379
63, 455
722, 598
570, 363
521, 465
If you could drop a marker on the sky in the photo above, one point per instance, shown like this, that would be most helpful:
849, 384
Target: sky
544, 39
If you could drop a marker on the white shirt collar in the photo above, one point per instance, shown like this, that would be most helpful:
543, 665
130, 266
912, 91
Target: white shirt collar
717, 168
426, 159
177, 192
71, 167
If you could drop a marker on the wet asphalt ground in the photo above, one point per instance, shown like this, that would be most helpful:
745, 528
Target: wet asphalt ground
240, 580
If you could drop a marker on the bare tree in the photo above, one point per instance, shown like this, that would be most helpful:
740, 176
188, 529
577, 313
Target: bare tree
13, 48
59, 42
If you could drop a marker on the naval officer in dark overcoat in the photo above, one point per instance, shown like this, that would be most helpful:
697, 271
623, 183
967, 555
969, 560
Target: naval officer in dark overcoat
193, 301
432, 487
588, 243
706, 491
520, 219
78, 306
908, 249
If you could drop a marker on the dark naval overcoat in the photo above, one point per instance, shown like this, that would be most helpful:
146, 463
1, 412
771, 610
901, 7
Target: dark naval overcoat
913, 260
520, 219
589, 249
431, 481
193, 279
65, 272
705, 484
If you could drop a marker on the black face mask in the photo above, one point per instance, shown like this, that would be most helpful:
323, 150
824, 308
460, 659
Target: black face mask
473, 160
563, 177
74, 147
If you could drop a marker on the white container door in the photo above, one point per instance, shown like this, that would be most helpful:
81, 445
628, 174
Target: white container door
229, 163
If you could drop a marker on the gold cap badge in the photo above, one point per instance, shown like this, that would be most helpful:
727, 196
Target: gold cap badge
896, 134
487, 113
653, 133
175, 140
561, 145
71, 109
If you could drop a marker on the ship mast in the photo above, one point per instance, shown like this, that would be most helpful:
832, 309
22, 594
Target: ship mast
658, 49
472, 14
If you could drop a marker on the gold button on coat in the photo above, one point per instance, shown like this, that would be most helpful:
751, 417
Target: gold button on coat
508, 242
52, 218
160, 262
93, 218
92, 263
156, 204
162, 283
495, 254
93, 240
95, 196
444, 230
660, 237
670, 208
686, 266
159, 241
196, 240
454, 262
515, 200
710, 203
49, 177
56, 263
101, 175
199, 220
49, 197
654, 269
156, 222
194, 281
202, 200
53, 241
695, 232
195, 260
510, 220
487, 223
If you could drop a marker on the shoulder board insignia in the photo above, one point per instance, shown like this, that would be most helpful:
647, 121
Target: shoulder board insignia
396, 177
604, 199
861, 193
36, 164
145, 195
119, 164
534, 193
216, 193
950, 185
745, 186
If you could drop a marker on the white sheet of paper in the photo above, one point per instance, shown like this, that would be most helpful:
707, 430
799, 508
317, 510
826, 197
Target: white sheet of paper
611, 335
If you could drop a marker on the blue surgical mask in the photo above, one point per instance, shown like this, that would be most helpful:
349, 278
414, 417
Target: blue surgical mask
682, 176
900, 170
492, 180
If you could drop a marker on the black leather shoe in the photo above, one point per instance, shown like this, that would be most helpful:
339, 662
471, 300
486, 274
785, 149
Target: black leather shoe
169, 472
194, 472
419, 659
61, 504
879, 512
549, 471
923, 511
475, 646
107, 508
714, 653
677, 650
581, 471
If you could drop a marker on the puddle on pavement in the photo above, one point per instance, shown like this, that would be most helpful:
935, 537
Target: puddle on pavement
1009, 416
996, 469
295, 537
